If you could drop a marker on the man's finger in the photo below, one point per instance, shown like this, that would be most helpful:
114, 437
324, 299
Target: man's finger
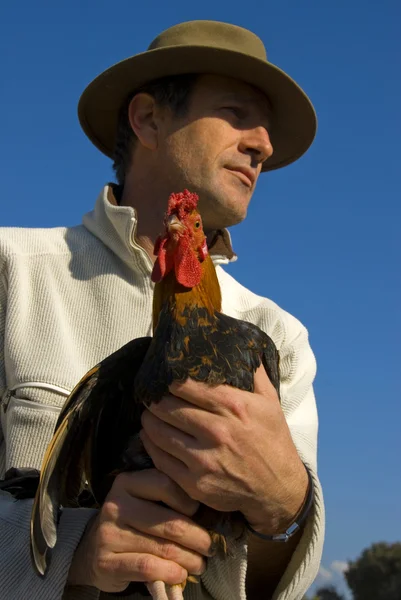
263, 385
146, 567
184, 415
127, 539
214, 400
169, 438
198, 394
151, 484
161, 522
164, 462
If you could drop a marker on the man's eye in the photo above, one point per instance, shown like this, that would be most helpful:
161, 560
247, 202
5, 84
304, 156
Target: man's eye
235, 110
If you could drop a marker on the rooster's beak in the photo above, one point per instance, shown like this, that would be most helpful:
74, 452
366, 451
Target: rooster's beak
174, 225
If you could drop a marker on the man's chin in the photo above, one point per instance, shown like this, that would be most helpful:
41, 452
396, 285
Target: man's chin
223, 206
234, 211
222, 221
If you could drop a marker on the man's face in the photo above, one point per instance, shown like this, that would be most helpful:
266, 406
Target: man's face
217, 148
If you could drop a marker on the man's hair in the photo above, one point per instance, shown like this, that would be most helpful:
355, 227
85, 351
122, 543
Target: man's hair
174, 92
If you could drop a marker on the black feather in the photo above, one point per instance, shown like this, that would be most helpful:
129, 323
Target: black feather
222, 350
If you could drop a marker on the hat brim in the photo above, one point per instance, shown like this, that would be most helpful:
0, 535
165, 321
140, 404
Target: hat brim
293, 117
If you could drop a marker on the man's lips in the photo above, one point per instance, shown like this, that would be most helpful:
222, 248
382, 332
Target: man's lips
246, 174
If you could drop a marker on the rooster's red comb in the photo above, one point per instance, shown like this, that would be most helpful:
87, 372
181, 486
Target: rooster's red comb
182, 203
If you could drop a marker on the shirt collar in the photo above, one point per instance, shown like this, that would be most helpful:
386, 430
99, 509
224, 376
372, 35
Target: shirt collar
116, 225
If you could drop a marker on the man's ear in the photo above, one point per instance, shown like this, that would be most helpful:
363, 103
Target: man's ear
142, 115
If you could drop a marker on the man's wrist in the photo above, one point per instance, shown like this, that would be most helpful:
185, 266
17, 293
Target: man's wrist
268, 522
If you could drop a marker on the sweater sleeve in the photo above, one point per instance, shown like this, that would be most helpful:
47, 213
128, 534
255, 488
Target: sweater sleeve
298, 368
18, 577
3, 306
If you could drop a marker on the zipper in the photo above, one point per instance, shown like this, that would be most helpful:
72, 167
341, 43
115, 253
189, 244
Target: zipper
139, 248
5, 399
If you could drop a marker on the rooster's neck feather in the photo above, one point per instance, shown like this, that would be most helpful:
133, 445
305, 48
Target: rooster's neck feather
207, 294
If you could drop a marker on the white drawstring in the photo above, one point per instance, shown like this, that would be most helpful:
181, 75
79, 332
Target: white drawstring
43, 386
5, 399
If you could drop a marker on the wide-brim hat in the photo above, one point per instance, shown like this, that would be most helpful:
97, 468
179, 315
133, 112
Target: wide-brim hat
203, 47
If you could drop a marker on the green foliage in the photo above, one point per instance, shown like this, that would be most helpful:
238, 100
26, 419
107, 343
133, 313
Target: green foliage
376, 574
327, 593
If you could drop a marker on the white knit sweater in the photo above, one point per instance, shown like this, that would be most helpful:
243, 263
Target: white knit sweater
68, 298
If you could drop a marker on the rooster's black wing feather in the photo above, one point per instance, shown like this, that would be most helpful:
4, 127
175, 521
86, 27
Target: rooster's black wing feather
93, 428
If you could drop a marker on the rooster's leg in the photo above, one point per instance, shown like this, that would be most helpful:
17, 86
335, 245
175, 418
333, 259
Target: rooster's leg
157, 589
160, 591
175, 592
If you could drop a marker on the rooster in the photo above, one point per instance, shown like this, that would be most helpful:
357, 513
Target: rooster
97, 433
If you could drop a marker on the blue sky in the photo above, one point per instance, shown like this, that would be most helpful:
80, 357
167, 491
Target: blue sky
322, 236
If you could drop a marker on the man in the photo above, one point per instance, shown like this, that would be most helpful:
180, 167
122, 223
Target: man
201, 109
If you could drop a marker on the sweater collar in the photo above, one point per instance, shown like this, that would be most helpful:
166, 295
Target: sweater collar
116, 225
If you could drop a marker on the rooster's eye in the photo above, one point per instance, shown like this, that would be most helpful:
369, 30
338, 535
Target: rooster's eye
197, 224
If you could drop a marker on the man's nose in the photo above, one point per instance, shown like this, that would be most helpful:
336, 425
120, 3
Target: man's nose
257, 143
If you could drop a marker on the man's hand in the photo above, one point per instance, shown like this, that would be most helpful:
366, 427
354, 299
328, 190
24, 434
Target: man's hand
134, 539
229, 449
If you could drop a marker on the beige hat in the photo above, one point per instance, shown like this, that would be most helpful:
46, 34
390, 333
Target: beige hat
203, 47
